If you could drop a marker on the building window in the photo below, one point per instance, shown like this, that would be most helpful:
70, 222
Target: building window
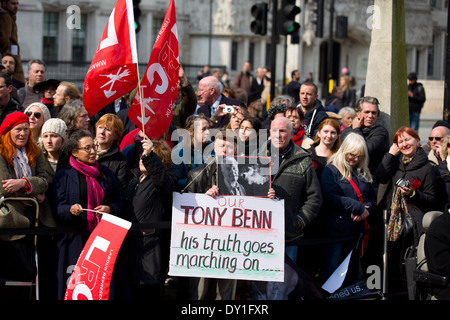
50, 36
156, 26
234, 55
79, 40
251, 54
430, 67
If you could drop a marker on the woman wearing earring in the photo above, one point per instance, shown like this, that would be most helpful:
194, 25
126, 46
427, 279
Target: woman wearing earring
82, 191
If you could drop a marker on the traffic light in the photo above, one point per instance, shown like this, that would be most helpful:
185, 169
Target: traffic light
259, 12
317, 17
137, 14
288, 12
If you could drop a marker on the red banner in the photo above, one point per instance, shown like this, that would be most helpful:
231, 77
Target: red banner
113, 70
91, 277
159, 86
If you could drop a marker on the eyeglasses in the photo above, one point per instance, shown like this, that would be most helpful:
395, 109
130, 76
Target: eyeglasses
88, 148
435, 138
37, 115
355, 155
3, 86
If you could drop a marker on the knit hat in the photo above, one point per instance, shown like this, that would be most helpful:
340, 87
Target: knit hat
44, 109
12, 120
55, 125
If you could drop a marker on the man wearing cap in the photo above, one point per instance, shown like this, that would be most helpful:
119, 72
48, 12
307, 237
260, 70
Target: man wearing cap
7, 103
416, 99
212, 101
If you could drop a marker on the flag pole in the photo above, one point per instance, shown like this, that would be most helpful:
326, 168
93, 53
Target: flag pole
140, 100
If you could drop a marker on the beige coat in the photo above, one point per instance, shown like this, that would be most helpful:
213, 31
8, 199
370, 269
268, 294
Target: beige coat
38, 184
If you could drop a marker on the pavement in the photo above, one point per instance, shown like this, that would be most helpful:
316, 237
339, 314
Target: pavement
426, 123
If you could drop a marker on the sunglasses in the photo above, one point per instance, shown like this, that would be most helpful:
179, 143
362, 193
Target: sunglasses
37, 115
435, 138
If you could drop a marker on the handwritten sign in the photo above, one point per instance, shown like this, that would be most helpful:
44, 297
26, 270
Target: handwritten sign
233, 237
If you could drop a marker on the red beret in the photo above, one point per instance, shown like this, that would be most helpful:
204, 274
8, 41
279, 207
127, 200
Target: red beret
12, 120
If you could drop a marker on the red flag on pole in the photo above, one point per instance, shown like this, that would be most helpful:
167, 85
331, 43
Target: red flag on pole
113, 70
91, 277
152, 105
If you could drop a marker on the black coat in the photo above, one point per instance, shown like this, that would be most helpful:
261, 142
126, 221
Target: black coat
377, 141
116, 161
150, 201
437, 251
69, 188
418, 171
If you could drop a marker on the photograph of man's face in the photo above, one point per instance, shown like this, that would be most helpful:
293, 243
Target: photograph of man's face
243, 176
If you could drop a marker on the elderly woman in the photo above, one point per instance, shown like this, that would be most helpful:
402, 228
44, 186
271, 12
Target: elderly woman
81, 191
297, 117
75, 116
22, 173
348, 199
38, 114
347, 114
109, 130
412, 191
443, 172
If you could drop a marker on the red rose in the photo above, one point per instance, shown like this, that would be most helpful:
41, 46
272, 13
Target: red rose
416, 184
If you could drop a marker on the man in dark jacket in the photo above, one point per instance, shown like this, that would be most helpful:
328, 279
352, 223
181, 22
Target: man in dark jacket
7, 104
437, 251
366, 124
294, 180
211, 101
312, 108
416, 99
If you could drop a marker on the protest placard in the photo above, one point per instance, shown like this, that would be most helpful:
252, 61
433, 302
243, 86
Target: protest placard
233, 237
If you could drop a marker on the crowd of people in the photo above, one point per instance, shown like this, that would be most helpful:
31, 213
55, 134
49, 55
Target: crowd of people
336, 171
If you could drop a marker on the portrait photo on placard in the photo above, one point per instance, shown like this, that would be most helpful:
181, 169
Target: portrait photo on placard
244, 176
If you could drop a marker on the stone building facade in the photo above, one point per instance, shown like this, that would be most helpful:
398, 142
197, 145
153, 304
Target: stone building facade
217, 32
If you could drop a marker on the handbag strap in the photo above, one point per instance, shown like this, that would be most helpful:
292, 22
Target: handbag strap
355, 187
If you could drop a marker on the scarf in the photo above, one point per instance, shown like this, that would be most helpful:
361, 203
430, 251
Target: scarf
94, 190
46, 101
398, 210
21, 166
298, 137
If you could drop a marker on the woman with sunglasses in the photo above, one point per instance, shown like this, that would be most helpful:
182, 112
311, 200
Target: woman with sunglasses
38, 114
82, 192
22, 174
411, 191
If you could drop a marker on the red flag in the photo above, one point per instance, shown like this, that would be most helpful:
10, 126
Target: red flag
159, 86
91, 277
113, 70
